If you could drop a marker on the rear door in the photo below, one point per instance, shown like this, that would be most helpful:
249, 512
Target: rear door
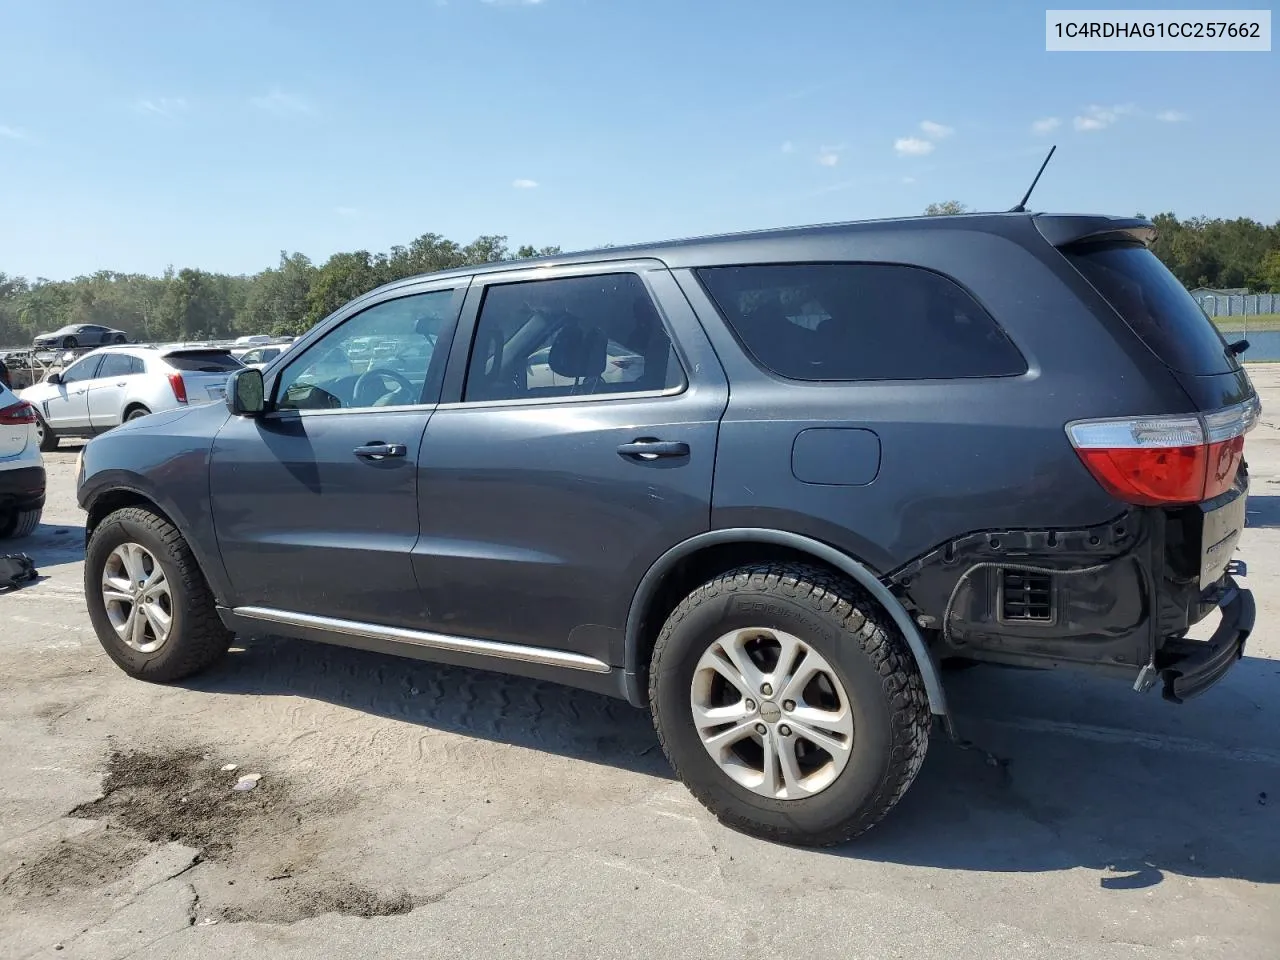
107, 390
553, 477
68, 407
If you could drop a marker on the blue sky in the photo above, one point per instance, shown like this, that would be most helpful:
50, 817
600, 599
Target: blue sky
139, 134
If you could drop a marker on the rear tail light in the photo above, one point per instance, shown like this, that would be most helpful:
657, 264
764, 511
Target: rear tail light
17, 414
1163, 461
179, 387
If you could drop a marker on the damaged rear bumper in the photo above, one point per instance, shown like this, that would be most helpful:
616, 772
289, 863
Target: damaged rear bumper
1190, 667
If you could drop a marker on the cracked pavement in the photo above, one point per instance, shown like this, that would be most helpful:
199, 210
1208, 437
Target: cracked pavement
409, 809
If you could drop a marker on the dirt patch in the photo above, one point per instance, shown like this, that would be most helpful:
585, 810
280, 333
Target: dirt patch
79, 863
296, 902
185, 797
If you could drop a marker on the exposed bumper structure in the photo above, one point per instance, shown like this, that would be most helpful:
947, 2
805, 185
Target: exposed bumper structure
1190, 667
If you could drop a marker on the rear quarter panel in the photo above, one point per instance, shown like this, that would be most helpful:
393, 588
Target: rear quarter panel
955, 456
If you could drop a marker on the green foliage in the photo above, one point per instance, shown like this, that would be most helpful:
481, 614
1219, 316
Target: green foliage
948, 208
193, 304
296, 293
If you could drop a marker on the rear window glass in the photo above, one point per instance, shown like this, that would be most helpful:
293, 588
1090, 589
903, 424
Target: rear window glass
1155, 305
211, 361
854, 321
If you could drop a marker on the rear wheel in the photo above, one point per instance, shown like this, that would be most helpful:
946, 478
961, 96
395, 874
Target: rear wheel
119, 338
136, 413
46, 438
19, 523
789, 704
149, 603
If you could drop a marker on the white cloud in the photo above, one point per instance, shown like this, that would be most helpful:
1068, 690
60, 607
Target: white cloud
829, 156
523, 184
161, 106
1172, 116
912, 147
788, 147
13, 133
1045, 125
936, 131
1095, 117
908, 180
279, 102
347, 211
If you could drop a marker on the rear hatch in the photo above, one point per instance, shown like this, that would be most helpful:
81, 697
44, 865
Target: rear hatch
16, 418
202, 373
1189, 463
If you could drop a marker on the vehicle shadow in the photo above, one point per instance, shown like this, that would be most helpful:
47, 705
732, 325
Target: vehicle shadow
1263, 511
1067, 789
51, 545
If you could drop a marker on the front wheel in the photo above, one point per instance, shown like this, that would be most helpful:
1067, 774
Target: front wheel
789, 704
148, 601
46, 438
70, 343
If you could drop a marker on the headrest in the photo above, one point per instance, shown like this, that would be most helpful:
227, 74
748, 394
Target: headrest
578, 353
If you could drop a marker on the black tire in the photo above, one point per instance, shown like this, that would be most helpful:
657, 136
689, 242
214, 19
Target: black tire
20, 523
197, 637
46, 438
70, 343
871, 660
119, 338
135, 413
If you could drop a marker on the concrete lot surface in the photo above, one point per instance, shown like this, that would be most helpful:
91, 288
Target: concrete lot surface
411, 810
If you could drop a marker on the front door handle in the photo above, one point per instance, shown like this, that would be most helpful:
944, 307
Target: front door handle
380, 451
650, 449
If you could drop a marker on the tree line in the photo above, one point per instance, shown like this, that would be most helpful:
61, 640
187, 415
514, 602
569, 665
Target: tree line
194, 304
287, 299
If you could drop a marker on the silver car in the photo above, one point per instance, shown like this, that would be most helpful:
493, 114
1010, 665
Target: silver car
104, 388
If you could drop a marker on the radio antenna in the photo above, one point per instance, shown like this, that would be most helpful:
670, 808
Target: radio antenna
1022, 204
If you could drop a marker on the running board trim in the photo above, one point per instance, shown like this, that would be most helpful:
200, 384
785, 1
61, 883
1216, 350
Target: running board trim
420, 638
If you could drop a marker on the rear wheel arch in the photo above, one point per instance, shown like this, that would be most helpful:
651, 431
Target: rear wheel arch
134, 409
689, 564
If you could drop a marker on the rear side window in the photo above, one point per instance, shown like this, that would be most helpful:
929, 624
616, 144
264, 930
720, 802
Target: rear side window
856, 321
1155, 305
203, 361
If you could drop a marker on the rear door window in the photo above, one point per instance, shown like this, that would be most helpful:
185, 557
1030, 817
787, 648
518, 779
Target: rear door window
200, 361
1155, 306
860, 321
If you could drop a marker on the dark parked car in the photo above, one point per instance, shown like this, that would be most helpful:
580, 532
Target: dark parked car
79, 335
849, 453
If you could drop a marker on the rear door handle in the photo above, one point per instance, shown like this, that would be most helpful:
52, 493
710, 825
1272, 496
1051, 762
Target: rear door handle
648, 449
380, 451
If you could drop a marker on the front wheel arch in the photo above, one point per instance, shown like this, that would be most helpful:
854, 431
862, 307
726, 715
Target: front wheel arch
641, 630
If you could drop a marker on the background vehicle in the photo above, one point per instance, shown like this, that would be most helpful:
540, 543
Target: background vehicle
22, 477
79, 335
259, 356
105, 388
945, 437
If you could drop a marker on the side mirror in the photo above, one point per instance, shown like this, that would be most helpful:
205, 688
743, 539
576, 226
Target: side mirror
246, 394
54, 378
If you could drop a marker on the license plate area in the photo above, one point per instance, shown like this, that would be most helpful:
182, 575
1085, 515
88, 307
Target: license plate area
1221, 525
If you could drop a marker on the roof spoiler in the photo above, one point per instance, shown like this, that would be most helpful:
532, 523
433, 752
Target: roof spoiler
1065, 230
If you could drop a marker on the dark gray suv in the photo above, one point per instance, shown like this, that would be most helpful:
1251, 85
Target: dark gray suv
762, 485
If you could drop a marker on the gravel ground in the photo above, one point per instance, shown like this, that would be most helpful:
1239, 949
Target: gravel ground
407, 809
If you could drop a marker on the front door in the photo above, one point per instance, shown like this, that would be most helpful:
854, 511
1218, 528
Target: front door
68, 409
577, 448
315, 501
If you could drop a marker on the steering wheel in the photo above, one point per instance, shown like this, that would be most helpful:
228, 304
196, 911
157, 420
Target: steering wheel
384, 374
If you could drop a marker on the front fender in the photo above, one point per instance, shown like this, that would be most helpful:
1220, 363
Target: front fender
170, 472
